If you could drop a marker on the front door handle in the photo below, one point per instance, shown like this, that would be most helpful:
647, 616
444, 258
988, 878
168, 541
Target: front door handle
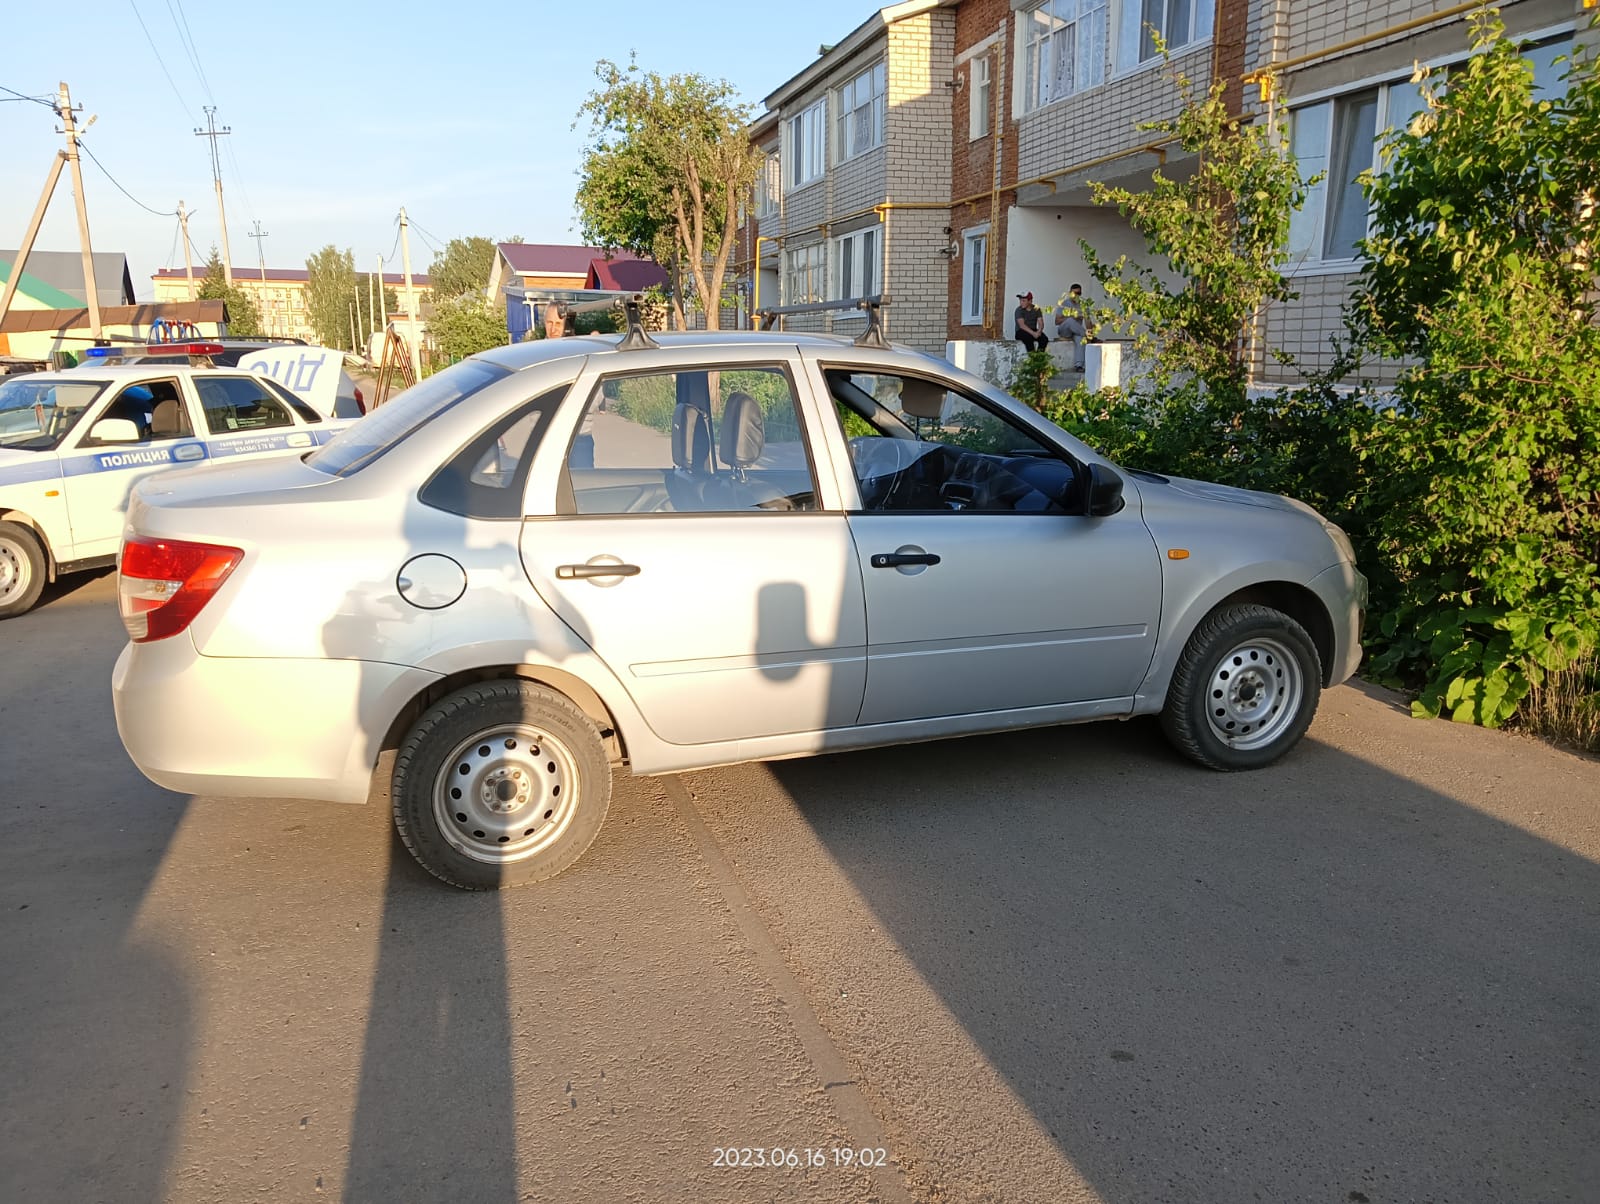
894, 560
582, 572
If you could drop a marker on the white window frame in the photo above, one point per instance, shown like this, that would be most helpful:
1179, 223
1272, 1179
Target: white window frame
805, 273
974, 274
769, 185
866, 90
1072, 32
980, 96
857, 269
805, 146
1134, 54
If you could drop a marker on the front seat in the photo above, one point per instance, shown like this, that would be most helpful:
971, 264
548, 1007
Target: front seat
691, 458
743, 439
167, 421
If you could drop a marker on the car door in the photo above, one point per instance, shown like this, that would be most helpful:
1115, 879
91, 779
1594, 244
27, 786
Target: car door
243, 417
691, 550
984, 591
99, 475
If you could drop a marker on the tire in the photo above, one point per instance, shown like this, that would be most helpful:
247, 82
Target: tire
500, 784
1245, 689
22, 570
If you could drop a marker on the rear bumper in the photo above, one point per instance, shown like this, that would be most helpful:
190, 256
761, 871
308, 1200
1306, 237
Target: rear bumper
256, 727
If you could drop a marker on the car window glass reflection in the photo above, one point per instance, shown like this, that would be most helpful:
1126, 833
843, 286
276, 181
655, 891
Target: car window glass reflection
916, 445
702, 441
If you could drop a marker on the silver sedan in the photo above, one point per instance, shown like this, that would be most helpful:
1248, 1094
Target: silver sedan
567, 555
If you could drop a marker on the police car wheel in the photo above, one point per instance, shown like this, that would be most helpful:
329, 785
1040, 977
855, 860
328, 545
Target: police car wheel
22, 570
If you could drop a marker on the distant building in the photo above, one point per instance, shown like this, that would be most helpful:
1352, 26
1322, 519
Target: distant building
280, 295
54, 279
526, 275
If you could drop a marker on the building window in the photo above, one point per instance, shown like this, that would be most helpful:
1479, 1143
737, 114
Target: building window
1179, 24
806, 136
861, 113
767, 185
974, 269
980, 96
803, 274
1066, 49
857, 256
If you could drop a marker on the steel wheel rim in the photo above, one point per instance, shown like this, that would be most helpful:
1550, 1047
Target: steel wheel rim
1254, 693
16, 571
506, 793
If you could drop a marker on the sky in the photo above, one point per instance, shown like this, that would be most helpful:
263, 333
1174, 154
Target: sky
343, 111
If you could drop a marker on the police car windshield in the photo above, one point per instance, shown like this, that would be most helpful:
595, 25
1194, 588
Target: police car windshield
36, 412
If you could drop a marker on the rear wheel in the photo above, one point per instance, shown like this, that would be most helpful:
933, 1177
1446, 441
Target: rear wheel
500, 784
22, 569
1245, 689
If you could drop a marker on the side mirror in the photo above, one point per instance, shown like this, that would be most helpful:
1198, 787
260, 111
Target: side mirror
1102, 491
115, 430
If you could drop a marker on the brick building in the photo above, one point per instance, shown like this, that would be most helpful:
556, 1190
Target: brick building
965, 172
855, 197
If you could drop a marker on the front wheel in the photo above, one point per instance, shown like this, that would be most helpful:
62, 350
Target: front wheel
1245, 689
500, 784
22, 570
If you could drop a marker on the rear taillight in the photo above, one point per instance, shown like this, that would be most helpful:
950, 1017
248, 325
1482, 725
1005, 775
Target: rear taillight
163, 583
361, 402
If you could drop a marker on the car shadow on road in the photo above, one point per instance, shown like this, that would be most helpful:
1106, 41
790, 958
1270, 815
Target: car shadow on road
1318, 981
96, 1016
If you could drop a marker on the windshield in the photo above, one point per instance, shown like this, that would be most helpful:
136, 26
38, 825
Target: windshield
37, 412
360, 444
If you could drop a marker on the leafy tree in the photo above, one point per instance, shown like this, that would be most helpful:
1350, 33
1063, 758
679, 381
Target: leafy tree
1222, 230
466, 325
462, 267
244, 320
1478, 275
330, 292
669, 162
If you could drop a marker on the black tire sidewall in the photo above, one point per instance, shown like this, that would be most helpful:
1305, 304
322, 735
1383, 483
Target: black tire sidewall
1186, 719
24, 538
449, 722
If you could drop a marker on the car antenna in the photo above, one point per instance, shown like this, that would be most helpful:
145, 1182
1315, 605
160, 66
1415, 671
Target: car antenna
872, 336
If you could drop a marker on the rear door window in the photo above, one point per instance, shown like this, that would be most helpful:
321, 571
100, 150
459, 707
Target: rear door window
239, 404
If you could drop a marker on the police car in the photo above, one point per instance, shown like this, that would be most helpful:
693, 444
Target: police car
73, 443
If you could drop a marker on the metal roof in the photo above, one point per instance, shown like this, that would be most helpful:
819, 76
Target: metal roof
62, 272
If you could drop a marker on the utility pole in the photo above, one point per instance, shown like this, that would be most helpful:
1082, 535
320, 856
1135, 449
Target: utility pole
372, 312
411, 296
360, 325
382, 300
213, 133
15, 278
188, 263
70, 129
351, 309
261, 236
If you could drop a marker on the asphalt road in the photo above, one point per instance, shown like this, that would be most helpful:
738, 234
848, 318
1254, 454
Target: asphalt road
1052, 966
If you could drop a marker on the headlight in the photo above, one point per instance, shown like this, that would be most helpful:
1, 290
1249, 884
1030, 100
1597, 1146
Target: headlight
1341, 541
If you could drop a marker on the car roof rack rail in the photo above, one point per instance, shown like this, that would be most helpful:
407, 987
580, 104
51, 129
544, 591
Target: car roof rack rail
636, 338
872, 336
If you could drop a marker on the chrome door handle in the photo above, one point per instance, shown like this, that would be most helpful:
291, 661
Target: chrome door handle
894, 560
581, 572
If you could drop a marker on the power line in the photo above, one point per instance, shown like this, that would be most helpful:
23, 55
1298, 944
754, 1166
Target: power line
188, 48
121, 189
161, 62
38, 100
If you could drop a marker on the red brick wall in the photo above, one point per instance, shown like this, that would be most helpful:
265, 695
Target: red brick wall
972, 161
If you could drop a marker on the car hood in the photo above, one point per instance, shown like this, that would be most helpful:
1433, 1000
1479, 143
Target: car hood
17, 465
1210, 491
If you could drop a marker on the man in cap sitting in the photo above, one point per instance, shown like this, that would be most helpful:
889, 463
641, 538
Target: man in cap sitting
1030, 324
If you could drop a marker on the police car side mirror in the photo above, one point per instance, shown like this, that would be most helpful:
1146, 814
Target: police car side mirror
115, 430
